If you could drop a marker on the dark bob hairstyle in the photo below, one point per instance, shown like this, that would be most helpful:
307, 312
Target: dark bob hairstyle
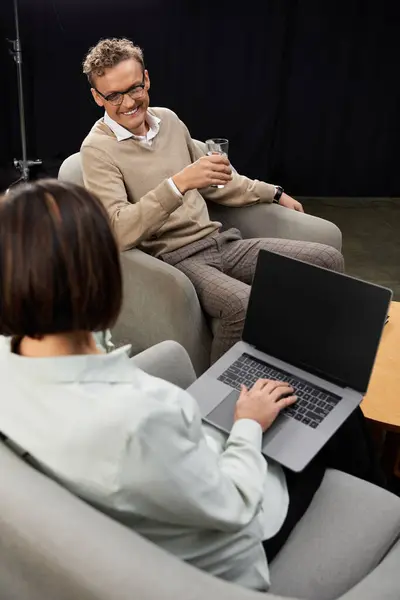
59, 262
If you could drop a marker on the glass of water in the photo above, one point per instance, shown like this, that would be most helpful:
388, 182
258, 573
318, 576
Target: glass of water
217, 146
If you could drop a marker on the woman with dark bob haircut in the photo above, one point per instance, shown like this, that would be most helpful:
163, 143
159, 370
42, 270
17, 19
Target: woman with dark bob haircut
132, 444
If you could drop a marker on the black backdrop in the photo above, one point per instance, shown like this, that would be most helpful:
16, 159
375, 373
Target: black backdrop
306, 91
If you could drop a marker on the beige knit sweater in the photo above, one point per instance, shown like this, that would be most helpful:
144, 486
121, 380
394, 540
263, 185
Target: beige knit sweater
131, 179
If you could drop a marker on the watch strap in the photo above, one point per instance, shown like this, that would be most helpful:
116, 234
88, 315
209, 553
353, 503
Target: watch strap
278, 194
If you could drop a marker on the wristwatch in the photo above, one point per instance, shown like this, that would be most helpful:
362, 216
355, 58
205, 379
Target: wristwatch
278, 193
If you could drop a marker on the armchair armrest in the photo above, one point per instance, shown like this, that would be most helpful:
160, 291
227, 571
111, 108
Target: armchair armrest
383, 582
160, 303
167, 360
272, 220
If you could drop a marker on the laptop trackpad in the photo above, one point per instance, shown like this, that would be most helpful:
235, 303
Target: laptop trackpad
222, 415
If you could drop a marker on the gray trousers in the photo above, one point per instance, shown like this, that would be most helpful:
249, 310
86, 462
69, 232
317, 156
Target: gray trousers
221, 267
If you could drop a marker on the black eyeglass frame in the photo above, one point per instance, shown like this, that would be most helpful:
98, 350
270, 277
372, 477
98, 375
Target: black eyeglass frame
133, 88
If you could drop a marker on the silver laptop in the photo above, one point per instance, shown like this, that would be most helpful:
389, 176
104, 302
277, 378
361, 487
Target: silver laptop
314, 328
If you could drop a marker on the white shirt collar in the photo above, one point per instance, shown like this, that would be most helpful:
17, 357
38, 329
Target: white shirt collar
123, 134
113, 367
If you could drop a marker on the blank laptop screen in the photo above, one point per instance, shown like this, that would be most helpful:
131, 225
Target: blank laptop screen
324, 322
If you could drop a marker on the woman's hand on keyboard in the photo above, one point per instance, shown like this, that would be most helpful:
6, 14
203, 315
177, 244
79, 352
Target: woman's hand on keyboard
264, 401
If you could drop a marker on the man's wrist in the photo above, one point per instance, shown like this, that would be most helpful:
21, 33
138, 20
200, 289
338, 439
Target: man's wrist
180, 183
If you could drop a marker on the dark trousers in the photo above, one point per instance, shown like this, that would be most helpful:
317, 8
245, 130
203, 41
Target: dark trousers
351, 450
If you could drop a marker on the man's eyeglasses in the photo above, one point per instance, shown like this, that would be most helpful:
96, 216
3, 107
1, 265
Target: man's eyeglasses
134, 92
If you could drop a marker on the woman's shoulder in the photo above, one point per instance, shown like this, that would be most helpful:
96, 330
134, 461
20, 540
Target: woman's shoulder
159, 404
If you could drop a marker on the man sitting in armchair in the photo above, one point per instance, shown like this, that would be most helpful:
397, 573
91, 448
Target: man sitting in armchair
153, 180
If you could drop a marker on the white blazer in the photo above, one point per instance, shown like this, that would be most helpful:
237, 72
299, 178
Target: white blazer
135, 447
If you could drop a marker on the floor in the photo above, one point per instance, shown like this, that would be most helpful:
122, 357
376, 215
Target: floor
371, 236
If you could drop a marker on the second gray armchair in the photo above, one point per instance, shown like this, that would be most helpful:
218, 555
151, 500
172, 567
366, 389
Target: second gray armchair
160, 303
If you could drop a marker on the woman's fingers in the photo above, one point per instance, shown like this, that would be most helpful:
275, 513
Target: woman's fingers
281, 391
260, 384
285, 402
275, 385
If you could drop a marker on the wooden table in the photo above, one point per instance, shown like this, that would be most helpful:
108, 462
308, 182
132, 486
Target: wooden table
382, 403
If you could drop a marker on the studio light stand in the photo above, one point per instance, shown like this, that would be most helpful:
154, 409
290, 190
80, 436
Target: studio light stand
23, 165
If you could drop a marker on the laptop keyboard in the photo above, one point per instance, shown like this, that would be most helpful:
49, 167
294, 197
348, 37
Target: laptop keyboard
313, 403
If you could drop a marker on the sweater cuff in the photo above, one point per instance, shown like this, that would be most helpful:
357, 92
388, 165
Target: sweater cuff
265, 191
247, 430
167, 197
173, 186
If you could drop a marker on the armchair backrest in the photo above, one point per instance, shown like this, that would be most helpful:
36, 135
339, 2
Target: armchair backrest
71, 169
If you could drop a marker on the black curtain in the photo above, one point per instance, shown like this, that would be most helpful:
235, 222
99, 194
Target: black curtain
306, 91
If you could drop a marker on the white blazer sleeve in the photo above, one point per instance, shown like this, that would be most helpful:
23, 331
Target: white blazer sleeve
170, 474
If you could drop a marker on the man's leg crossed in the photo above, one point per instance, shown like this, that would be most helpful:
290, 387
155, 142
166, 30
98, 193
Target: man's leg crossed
222, 297
239, 257
222, 273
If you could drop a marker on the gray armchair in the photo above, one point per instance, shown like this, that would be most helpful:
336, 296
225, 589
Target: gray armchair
54, 546
160, 302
